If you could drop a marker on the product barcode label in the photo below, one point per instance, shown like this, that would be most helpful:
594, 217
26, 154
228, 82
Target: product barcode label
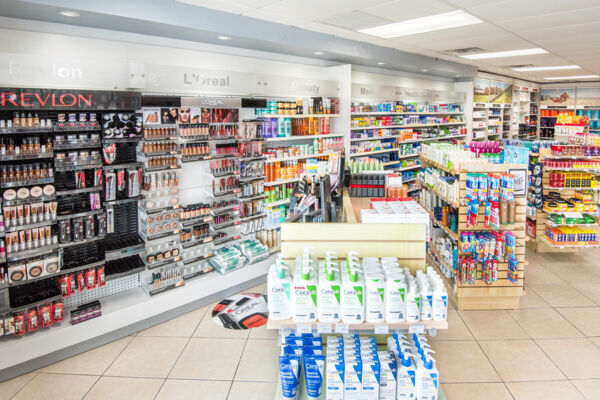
382, 329
341, 328
324, 328
303, 328
416, 328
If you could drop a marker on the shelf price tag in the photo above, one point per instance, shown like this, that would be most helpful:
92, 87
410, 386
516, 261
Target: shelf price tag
304, 328
416, 328
573, 215
324, 328
342, 328
382, 329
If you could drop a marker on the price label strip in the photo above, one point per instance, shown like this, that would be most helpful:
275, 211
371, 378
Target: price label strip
324, 328
342, 328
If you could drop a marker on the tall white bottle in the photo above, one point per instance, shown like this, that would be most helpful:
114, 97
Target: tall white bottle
413, 303
329, 295
353, 290
428, 378
395, 296
304, 294
406, 378
279, 285
375, 299
440, 301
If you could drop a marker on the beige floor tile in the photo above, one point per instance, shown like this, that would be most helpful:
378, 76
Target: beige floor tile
589, 290
252, 390
209, 358
12, 386
183, 326
148, 357
457, 330
586, 319
112, 388
476, 391
492, 325
540, 276
575, 273
208, 328
595, 340
520, 360
562, 295
179, 389
259, 361
55, 386
547, 390
256, 289
577, 358
93, 362
463, 361
590, 388
544, 323
532, 300
263, 333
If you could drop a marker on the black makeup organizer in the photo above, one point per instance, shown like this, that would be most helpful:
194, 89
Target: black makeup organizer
95, 222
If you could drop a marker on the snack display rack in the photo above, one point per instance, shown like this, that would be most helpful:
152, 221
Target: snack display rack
480, 295
578, 216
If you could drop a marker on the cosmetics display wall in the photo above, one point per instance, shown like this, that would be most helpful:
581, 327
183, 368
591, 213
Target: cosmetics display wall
65, 177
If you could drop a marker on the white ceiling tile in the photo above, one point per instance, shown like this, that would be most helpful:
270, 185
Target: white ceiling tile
512, 9
472, 3
401, 10
355, 20
221, 5
319, 9
566, 17
256, 3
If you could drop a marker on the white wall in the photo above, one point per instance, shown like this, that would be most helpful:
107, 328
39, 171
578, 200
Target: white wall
402, 80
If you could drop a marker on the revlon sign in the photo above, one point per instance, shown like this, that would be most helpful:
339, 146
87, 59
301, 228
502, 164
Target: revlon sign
64, 99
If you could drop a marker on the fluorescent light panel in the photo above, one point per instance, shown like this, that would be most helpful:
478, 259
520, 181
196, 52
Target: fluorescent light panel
430, 23
509, 53
555, 68
557, 78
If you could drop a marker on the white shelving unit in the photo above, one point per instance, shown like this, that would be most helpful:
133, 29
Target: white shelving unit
489, 120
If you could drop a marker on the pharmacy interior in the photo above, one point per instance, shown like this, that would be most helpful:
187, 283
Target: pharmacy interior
370, 203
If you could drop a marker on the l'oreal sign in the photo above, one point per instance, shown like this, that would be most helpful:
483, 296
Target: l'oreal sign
64, 99
198, 79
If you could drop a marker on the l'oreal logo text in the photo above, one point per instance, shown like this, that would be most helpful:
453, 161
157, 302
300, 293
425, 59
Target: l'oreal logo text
28, 99
202, 80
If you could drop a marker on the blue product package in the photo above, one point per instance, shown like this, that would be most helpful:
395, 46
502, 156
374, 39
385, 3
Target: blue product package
314, 367
289, 371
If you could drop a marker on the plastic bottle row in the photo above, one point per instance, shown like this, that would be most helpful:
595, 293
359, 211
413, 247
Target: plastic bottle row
348, 291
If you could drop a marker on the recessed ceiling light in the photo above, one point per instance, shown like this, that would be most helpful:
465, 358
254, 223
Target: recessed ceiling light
509, 53
557, 78
380, 63
318, 53
69, 13
430, 23
424, 70
457, 75
557, 67
223, 37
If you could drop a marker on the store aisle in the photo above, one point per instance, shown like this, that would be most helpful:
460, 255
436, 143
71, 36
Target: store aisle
549, 349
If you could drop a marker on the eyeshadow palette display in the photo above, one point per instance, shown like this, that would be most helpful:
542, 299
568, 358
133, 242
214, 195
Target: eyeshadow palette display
69, 185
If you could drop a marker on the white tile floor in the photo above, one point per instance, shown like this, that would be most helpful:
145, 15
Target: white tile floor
549, 349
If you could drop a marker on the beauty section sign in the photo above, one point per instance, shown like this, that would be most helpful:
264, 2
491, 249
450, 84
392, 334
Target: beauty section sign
66, 99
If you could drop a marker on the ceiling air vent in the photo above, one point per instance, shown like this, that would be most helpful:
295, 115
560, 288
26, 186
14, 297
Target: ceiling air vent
466, 50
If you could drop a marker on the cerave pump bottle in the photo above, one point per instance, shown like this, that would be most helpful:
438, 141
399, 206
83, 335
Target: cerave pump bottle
279, 285
329, 294
395, 305
304, 291
353, 290
375, 299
